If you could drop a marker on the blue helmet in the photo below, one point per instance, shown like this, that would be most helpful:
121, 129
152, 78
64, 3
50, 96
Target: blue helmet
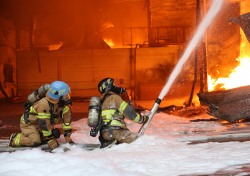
58, 89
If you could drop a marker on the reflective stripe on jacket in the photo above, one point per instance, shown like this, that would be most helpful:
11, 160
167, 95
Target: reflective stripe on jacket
40, 115
114, 109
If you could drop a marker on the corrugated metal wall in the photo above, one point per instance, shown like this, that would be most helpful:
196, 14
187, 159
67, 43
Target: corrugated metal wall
83, 69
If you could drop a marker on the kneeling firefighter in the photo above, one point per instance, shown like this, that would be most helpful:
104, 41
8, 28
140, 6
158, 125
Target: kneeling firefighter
48, 105
113, 109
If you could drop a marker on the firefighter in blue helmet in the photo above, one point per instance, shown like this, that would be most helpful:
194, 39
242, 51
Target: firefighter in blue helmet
113, 113
47, 106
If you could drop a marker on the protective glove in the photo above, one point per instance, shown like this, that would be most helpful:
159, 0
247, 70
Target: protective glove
144, 119
56, 133
53, 144
67, 134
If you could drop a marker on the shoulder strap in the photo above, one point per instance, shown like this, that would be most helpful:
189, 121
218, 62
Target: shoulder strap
105, 97
51, 105
100, 125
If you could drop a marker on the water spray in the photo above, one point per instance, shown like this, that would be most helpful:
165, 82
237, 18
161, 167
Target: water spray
214, 9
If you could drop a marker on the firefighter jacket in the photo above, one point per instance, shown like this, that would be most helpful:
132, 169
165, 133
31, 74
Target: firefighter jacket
44, 116
115, 109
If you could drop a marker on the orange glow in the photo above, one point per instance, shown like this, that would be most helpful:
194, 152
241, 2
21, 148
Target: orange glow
110, 42
237, 78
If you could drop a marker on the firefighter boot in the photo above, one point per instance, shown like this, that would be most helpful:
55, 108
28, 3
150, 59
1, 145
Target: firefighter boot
106, 143
13, 140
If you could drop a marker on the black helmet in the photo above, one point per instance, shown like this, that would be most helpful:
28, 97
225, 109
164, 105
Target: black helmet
105, 85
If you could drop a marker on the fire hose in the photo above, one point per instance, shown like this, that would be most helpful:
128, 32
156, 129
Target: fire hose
214, 9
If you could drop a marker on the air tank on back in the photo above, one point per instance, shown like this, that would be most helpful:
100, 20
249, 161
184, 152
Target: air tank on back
38, 94
94, 112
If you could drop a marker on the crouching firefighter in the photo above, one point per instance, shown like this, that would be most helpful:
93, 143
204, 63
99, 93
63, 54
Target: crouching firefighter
107, 115
47, 106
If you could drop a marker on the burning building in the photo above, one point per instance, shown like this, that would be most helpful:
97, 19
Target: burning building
138, 42
227, 98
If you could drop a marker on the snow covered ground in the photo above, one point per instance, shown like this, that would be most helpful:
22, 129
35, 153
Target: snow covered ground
161, 151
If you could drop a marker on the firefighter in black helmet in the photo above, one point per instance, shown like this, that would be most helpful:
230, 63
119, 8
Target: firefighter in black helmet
114, 110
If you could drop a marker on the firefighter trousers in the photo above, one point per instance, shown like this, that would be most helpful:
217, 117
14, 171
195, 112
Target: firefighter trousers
121, 135
29, 136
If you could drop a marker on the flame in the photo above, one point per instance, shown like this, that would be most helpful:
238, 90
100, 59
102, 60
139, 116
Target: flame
109, 42
237, 78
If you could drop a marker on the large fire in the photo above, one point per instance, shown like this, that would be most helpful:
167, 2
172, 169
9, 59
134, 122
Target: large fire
240, 76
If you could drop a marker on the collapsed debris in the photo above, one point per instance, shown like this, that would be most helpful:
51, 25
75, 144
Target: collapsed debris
230, 105
244, 22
